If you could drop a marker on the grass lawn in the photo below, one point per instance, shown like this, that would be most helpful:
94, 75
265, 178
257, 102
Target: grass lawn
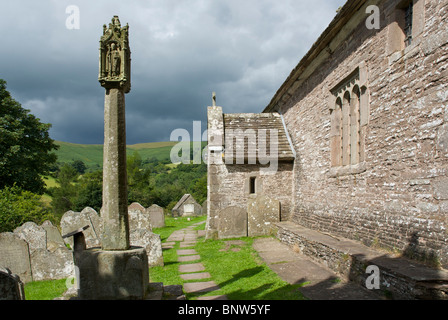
240, 273
44, 290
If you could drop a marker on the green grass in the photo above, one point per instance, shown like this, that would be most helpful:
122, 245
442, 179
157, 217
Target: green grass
45, 290
92, 154
241, 275
50, 182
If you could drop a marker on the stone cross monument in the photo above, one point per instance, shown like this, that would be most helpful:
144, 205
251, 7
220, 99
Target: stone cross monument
116, 270
114, 76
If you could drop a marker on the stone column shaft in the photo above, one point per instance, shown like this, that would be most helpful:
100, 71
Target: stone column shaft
115, 199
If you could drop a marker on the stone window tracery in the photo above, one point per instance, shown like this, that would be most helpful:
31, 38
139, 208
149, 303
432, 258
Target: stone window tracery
348, 123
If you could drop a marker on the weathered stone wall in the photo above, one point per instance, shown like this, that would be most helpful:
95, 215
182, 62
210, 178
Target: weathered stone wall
400, 200
229, 185
234, 180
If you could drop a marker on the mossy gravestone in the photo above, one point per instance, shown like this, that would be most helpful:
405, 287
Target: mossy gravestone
14, 255
232, 223
262, 213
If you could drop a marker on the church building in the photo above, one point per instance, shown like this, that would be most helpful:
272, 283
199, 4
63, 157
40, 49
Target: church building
361, 137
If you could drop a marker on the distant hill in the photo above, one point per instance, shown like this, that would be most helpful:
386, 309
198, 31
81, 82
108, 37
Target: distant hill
92, 154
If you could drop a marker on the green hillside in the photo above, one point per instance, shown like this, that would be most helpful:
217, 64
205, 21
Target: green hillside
92, 154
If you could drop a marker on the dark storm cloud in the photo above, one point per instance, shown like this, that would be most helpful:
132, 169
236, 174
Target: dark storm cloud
181, 52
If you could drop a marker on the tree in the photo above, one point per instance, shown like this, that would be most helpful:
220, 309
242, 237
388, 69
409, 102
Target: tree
25, 146
65, 195
79, 166
139, 182
18, 206
90, 192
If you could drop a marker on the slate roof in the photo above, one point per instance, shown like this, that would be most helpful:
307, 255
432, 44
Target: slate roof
239, 125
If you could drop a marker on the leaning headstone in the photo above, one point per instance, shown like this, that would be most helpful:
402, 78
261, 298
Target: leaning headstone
34, 235
52, 265
54, 238
156, 216
11, 287
262, 213
151, 242
71, 221
14, 255
138, 218
232, 223
95, 223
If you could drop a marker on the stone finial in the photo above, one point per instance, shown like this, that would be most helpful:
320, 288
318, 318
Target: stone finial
115, 56
214, 99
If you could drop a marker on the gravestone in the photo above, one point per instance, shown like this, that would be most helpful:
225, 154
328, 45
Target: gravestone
95, 225
152, 244
232, 223
14, 255
262, 213
136, 206
11, 287
54, 238
204, 208
138, 217
71, 221
156, 216
52, 265
49, 257
34, 235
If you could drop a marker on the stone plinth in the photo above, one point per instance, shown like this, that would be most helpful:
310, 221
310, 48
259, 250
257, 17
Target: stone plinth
113, 275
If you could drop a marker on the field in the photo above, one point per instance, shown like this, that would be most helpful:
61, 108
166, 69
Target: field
92, 154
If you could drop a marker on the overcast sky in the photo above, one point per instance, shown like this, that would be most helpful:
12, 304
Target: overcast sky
182, 51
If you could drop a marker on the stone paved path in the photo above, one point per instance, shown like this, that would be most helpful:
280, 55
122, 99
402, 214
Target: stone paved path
191, 268
294, 268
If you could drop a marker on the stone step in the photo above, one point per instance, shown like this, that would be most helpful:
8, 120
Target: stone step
186, 252
221, 297
158, 291
195, 276
192, 267
188, 258
194, 287
188, 244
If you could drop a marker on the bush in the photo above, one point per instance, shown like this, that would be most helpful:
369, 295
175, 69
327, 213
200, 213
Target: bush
18, 206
